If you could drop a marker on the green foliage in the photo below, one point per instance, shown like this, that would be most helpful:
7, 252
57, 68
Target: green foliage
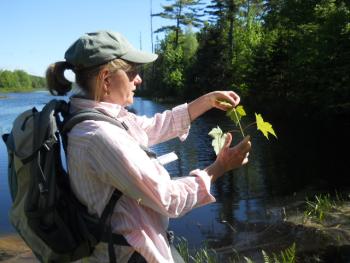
285, 256
303, 58
8, 80
277, 55
19, 80
190, 45
173, 70
38, 82
211, 69
236, 114
264, 127
204, 254
201, 255
23, 78
169, 74
183, 13
318, 208
182, 247
247, 36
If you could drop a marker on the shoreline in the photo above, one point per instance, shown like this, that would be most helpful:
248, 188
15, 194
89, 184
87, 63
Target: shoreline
14, 249
313, 239
3, 92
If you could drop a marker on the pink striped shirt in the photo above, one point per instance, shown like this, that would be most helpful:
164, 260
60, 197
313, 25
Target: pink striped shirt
102, 156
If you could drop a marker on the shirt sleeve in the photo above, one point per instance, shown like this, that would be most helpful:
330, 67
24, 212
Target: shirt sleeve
167, 125
121, 162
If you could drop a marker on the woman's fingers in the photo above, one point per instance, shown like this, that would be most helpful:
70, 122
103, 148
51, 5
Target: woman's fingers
234, 157
221, 106
234, 97
242, 150
228, 140
245, 161
245, 145
228, 96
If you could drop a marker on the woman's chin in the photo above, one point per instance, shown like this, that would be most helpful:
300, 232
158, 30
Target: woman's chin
128, 102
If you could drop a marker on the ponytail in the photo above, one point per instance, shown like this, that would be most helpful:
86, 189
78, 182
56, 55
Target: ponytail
56, 82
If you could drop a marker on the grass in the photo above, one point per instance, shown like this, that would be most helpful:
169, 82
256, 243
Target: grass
285, 256
201, 255
205, 255
322, 205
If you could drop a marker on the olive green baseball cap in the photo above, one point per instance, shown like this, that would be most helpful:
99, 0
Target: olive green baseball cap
97, 48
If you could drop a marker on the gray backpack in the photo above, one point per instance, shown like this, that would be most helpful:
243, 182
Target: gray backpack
45, 212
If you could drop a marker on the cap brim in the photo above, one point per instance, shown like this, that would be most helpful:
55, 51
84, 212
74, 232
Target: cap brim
139, 57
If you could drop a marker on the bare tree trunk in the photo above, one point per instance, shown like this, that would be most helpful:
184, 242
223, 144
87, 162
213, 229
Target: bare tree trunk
231, 13
178, 25
151, 15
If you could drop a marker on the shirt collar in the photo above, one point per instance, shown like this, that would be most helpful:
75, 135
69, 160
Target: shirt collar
111, 109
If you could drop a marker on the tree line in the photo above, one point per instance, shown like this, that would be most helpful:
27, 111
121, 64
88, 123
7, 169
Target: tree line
19, 80
284, 55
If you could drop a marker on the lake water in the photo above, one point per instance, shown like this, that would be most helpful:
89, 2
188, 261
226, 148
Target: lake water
304, 158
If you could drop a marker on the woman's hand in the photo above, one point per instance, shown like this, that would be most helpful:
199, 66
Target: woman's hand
210, 100
228, 96
230, 158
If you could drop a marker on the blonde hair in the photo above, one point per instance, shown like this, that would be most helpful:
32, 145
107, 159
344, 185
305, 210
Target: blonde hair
88, 79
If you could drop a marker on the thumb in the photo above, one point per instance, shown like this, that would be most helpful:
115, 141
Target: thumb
228, 140
244, 143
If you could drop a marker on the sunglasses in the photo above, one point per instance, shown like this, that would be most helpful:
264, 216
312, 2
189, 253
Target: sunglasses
132, 73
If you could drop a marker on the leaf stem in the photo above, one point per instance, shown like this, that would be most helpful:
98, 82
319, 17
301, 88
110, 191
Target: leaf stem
239, 123
250, 124
231, 131
245, 128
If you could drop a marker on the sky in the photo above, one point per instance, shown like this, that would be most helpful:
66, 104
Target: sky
36, 33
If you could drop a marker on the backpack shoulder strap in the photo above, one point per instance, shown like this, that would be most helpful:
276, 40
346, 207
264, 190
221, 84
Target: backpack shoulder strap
105, 220
90, 114
94, 114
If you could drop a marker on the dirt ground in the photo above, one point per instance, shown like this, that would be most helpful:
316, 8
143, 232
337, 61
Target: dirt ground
328, 241
13, 249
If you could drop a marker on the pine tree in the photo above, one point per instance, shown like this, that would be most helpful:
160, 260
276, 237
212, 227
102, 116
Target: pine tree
184, 13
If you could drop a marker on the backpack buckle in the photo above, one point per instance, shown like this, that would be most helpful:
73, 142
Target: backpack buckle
42, 189
49, 143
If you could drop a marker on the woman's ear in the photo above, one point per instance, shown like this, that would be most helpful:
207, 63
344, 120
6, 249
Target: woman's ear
102, 85
105, 76
105, 81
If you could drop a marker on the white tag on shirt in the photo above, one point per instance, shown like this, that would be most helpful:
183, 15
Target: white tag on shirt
167, 158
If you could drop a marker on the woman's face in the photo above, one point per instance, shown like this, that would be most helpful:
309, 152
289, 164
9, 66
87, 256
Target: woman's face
120, 87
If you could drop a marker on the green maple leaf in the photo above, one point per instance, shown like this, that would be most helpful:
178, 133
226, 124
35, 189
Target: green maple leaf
240, 110
218, 139
263, 126
236, 114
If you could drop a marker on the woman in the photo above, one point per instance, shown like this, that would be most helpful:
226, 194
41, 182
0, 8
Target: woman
102, 156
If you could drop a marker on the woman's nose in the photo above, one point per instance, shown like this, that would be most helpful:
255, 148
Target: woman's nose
137, 80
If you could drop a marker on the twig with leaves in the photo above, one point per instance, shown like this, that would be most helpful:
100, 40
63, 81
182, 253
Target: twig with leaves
236, 114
